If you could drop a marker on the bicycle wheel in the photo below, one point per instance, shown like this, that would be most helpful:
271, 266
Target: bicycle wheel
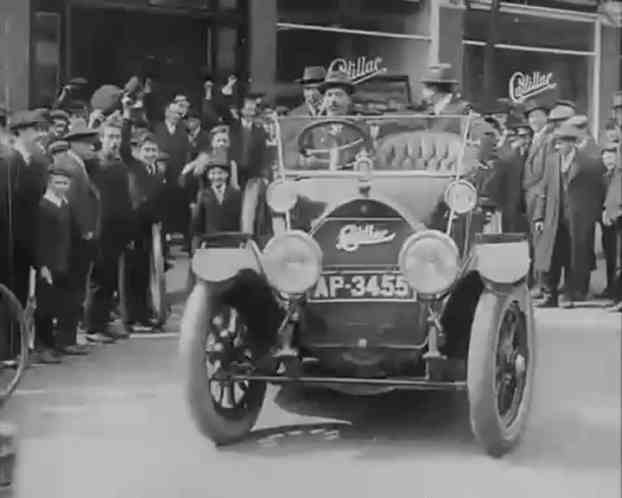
12, 325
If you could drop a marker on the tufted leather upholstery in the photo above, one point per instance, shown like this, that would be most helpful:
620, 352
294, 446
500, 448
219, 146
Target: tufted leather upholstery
423, 150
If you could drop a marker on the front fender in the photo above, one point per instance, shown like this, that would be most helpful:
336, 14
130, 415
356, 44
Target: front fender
501, 259
217, 264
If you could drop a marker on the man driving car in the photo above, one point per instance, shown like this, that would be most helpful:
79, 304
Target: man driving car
332, 145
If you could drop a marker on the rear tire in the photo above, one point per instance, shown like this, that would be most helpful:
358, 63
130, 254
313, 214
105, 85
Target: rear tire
222, 426
496, 420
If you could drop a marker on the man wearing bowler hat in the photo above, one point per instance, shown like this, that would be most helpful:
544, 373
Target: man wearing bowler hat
312, 78
568, 204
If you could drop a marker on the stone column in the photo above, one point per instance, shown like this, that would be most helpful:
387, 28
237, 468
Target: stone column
15, 53
262, 44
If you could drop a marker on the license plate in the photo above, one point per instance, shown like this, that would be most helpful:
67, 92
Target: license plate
363, 286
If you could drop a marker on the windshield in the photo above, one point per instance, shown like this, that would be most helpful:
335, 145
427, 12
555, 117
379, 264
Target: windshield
414, 142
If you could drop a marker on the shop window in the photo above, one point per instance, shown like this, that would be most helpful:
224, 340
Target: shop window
527, 30
396, 16
226, 48
297, 48
46, 39
557, 75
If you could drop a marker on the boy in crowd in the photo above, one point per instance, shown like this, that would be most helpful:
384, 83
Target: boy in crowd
612, 222
146, 184
219, 204
55, 291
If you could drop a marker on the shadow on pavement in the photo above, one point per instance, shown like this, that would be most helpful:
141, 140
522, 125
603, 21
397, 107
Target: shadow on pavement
405, 424
378, 427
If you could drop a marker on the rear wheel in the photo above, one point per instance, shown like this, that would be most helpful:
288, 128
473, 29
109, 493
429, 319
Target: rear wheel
500, 368
212, 338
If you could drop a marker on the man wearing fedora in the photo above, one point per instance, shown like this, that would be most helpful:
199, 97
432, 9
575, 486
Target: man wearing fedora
337, 90
311, 79
568, 204
29, 164
439, 93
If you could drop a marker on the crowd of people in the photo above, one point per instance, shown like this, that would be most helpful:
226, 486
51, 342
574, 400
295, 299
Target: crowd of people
570, 182
81, 187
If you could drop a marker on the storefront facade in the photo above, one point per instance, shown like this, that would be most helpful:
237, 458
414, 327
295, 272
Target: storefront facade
572, 53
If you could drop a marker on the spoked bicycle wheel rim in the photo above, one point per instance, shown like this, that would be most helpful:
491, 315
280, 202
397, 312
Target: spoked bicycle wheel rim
13, 327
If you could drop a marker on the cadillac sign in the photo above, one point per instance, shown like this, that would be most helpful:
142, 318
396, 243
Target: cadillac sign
523, 86
360, 69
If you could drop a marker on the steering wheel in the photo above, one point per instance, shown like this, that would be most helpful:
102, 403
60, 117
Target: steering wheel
358, 138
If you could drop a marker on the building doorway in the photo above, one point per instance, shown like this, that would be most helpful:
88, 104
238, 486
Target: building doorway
109, 46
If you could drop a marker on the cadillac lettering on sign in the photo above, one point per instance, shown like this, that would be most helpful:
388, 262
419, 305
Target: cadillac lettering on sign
523, 86
360, 69
351, 237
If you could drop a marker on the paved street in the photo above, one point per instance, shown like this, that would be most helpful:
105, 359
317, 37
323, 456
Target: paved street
113, 425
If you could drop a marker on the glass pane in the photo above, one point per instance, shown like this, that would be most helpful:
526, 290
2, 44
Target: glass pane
570, 74
228, 4
361, 55
519, 30
397, 16
226, 46
46, 57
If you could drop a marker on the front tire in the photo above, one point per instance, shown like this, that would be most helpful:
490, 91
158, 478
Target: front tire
501, 363
221, 424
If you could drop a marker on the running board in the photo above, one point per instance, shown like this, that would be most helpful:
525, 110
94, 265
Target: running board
417, 384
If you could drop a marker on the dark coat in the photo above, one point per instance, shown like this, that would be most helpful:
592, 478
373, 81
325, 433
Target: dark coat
117, 222
176, 145
584, 204
505, 190
213, 217
30, 184
57, 237
255, 141
83, 196
535, 164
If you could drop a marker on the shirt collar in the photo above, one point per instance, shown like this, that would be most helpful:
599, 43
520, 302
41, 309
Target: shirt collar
22, 150
57, 200
441, 104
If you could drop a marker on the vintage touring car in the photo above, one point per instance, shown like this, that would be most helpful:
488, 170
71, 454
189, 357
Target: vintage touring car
380, 275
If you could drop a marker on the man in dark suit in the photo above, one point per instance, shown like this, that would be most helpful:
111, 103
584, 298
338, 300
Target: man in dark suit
508, 175
29, 164
111, 179
612, 211
311, 79
172, 139
248, 143
219, 204
569, 202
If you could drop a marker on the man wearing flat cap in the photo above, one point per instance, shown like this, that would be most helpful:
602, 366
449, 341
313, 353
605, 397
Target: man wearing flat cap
219, 204
312, 78
569, 203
